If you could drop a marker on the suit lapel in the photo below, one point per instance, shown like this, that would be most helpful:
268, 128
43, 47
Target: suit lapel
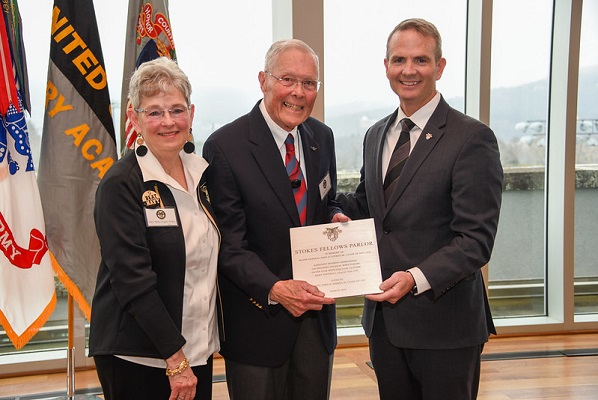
311, 153
268, 158
378, 139
427, 141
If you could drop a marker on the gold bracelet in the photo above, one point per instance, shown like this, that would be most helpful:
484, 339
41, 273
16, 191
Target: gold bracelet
175, 371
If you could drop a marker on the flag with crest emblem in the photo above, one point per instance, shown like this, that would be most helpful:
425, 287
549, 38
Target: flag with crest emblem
148, 36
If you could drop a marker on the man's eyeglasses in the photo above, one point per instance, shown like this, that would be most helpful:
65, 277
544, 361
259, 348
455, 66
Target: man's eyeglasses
308, 85
156, 114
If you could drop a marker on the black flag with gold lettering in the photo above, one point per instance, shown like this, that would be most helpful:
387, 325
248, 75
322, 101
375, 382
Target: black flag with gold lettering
78, 145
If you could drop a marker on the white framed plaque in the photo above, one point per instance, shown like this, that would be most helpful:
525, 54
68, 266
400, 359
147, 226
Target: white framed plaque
341, 259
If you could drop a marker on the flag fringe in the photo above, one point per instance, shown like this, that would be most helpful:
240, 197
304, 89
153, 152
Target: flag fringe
71, 288
20, 341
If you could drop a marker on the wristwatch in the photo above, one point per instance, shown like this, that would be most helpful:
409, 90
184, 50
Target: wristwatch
414, 289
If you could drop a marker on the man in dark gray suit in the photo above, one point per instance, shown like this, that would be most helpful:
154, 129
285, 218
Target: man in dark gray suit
279, 333
436, 212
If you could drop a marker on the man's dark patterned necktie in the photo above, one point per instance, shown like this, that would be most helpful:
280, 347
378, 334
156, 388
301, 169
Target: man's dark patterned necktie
398, 158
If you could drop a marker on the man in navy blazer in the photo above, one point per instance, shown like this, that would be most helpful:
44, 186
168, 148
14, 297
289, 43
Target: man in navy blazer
279, 333
435, 230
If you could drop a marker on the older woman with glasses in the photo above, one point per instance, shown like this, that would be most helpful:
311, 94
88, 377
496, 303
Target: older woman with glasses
154, 314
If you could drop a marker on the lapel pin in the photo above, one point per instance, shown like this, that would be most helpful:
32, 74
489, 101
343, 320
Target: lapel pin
314, 148
428, 136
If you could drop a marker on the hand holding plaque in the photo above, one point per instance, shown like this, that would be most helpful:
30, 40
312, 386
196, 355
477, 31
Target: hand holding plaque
341, 259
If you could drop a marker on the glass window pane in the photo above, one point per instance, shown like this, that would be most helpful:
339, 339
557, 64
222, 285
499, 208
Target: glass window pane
586, 193
357, 55
221, 47
518, 114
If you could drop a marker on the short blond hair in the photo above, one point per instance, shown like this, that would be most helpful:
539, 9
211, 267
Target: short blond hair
158, 76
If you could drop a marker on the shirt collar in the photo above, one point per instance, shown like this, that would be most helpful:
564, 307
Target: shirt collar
421, 116
280, 135
152, 170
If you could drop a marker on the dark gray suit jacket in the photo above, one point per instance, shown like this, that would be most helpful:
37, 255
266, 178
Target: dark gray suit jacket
254, 204
442, 217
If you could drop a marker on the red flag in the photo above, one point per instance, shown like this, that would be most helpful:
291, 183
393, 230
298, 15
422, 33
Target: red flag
148, 36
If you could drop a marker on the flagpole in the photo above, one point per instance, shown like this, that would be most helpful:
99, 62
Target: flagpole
70, 356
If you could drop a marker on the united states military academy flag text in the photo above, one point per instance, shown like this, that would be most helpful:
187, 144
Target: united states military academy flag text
78, 145
148, 36
27, 294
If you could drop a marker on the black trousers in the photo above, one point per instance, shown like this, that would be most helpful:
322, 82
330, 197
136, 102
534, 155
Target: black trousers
124, 380
305, 376
423, 374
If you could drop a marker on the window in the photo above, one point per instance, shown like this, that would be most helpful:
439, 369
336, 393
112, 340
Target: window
221, 46
518, 114
586, 192
357, 90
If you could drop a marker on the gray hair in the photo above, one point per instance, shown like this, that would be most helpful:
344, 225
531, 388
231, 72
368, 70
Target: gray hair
158, 76
425, 28
281, 46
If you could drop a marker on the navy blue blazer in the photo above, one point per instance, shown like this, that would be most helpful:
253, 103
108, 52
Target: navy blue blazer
442, 217
138, 302
253, 200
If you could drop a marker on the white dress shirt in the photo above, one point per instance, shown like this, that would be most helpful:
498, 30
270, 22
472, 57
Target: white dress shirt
199, 326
